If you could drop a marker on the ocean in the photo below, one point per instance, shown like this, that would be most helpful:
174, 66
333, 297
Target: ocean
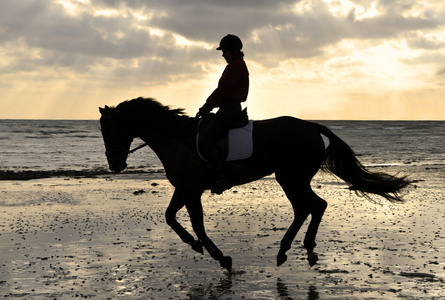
77, 145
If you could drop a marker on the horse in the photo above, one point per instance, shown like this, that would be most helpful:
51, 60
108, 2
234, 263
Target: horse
291, 148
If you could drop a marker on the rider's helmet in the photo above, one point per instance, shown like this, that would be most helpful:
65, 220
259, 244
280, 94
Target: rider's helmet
230, 42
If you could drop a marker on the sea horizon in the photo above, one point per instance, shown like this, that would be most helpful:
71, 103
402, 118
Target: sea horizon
77, 145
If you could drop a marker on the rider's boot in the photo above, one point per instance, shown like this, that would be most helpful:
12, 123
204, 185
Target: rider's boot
221, 183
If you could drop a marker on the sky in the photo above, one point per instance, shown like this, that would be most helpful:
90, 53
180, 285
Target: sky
311, 59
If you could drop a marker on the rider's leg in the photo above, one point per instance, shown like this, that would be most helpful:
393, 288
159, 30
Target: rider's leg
208, 138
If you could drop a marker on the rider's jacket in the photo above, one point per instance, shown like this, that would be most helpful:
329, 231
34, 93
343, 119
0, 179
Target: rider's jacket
232, 86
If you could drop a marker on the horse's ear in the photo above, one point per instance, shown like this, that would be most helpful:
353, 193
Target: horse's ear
102, 110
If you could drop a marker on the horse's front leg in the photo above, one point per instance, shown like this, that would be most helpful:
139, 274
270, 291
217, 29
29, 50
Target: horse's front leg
176, 203
194, 208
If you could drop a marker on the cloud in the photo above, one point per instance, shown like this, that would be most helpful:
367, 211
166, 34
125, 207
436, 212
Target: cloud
265, 26
435, 58
428, 42
158, 42
47, 25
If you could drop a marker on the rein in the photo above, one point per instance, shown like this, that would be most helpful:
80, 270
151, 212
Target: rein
145, 144
134, 149
137, 148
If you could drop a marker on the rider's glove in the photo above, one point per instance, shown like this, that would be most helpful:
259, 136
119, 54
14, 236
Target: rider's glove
203, 111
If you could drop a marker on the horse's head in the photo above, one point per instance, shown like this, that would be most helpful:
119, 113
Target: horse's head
117, 142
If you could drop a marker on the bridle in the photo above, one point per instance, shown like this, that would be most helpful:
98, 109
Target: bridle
119, 148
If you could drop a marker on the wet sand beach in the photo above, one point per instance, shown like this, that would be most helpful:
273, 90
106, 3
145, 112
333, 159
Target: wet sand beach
105, 237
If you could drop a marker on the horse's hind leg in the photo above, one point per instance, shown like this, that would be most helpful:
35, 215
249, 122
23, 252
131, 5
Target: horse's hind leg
300, 214
304, 202
318, 206
176, 203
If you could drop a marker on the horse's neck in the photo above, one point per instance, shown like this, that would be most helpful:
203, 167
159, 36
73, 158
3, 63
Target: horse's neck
180, 129
170, 143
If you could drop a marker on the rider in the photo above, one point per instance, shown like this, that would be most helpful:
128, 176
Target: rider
232, 89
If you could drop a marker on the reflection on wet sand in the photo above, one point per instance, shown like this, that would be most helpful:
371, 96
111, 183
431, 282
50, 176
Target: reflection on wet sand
283, 292
213, 291
226, 283
312, 294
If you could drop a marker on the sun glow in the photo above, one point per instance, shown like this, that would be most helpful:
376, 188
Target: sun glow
69, 6
184, 42
366, 13
141, 17
339, 8
108, 13
303, 6
342, 8
156, 32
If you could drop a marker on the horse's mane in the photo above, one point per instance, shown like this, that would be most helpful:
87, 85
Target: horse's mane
148, 107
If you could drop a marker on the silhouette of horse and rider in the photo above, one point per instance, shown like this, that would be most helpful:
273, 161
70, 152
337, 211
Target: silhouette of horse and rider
291, 148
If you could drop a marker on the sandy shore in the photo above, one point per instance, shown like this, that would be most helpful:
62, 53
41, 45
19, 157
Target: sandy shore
105, 237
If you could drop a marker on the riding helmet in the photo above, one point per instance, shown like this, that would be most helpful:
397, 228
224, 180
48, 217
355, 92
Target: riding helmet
230, 42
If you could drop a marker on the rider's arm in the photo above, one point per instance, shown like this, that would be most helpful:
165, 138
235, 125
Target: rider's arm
230, 78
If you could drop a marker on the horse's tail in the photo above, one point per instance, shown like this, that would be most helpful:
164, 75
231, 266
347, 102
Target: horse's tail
341, 160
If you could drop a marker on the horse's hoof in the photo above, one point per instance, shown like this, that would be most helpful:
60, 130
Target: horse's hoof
312, 258
281, 259
226, 263
197, 246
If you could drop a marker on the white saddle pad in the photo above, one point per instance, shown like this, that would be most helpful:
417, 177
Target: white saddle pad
240, 143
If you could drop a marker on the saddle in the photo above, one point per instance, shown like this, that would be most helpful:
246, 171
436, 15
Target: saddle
240, 121
237, 144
